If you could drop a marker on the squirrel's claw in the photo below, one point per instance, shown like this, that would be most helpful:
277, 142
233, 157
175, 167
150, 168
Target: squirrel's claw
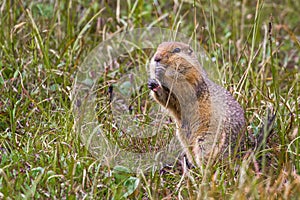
153, 85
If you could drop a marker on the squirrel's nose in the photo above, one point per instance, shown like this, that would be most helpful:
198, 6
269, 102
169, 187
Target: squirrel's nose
158, 57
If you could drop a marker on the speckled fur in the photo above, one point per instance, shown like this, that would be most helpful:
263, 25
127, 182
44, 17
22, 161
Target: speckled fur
208, 118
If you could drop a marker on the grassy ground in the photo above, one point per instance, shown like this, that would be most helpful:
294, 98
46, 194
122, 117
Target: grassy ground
255, 46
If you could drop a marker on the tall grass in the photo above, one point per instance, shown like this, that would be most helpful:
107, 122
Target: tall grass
255, 46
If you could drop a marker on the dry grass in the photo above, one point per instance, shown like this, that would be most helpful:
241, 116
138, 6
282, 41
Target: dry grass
255, 46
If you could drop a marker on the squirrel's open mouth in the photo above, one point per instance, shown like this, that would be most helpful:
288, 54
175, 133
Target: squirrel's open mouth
155, 89
154, 85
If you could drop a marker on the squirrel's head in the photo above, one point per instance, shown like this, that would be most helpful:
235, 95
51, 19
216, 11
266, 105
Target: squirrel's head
169, 52
176, 60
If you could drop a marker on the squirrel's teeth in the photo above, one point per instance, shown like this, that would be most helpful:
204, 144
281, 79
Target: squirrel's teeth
156, 88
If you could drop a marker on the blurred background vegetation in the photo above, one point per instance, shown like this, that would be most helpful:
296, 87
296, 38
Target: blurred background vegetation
254, 44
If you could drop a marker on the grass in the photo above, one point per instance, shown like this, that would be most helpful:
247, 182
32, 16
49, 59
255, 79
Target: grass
255, 47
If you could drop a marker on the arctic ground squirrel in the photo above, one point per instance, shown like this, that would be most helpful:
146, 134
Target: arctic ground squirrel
210, 122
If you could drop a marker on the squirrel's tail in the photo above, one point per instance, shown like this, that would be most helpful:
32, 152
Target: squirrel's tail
266, 131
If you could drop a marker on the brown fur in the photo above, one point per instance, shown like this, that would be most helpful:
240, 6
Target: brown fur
208, 118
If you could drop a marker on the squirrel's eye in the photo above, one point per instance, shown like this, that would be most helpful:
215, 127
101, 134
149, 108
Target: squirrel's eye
176, 50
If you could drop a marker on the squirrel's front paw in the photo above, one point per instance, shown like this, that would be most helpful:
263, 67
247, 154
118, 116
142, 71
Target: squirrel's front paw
153, 85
